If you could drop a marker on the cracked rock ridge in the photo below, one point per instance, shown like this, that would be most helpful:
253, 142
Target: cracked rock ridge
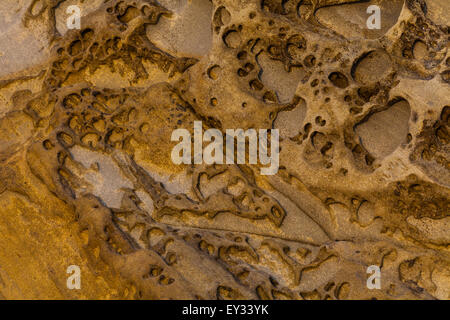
86, 176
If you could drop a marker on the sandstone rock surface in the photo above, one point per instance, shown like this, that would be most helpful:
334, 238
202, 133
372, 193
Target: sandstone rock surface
86, 176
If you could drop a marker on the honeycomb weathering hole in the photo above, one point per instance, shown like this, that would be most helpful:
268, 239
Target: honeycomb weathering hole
372, 67
188, 32
349, 19
384, 131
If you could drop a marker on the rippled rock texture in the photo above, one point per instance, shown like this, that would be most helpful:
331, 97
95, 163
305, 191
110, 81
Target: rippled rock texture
86, 175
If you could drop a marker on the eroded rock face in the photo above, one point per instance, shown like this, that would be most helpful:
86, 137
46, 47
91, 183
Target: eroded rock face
86, 175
